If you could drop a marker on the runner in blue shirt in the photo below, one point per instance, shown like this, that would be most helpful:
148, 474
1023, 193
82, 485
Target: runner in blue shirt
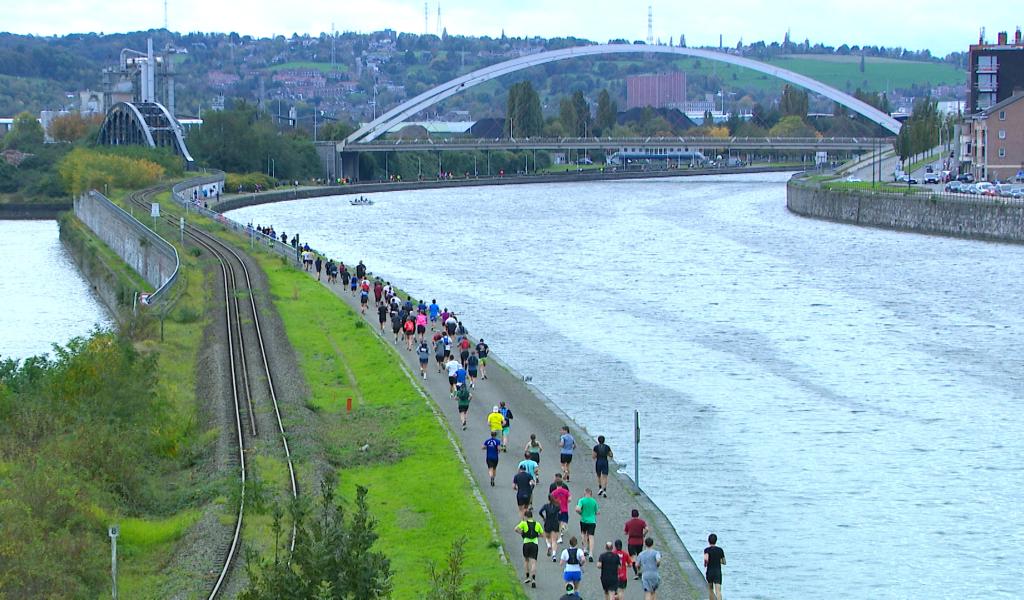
435, 310
566, 445
492, 448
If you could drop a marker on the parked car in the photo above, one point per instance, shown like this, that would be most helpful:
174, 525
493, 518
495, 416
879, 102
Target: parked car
853, 179
954, 187
931, 177
965, 177
986, 188
907, 179
1004, 189
970, 188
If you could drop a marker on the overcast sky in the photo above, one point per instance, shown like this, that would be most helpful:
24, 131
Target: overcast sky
941, 26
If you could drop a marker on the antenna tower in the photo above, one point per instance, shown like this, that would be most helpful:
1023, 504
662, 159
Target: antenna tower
426, 26
650, 25
438, 19
165, 15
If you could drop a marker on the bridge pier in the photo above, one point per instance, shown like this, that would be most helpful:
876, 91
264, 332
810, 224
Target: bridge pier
349, 164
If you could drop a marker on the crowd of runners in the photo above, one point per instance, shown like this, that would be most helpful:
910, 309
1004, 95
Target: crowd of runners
629, 553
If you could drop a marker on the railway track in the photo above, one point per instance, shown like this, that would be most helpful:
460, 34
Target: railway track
250, 372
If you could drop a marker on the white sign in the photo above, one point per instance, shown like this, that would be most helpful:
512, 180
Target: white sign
181, 223
154, 210
820, 158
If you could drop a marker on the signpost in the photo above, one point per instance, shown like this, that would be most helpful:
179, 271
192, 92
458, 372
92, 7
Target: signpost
181, 226
154, 211
113, 531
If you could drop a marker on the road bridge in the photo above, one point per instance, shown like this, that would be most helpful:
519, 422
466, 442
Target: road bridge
813, 144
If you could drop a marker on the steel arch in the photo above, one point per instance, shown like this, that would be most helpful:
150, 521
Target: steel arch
143, 124
386, 121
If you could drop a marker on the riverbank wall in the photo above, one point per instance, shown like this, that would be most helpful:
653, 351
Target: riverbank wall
33, 211
995, 219
148, 254
100, 267
241, 200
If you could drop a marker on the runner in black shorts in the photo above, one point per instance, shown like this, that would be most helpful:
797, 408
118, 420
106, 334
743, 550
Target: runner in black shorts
382, 316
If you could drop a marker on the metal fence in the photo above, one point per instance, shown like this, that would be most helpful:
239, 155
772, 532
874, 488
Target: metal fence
180, 194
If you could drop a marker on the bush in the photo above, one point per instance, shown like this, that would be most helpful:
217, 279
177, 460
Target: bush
83, 169
247, 182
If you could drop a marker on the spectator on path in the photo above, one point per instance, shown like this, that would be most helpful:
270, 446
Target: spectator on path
531, 531
714, 558
608, 563
492, 450
650, 579
566, 446
635, 530
587, 508
572, 560
602, 452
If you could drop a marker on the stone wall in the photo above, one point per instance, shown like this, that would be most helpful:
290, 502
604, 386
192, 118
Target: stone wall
967, 217
146, 253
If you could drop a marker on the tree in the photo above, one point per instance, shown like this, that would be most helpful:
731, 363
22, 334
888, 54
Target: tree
26, 133
792, 126
72, 127
794, 102
448, 581
607, 112
333, 557
523, 114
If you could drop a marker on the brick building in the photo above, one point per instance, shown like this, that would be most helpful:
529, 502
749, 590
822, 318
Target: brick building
997, 135
994, 71
661, 90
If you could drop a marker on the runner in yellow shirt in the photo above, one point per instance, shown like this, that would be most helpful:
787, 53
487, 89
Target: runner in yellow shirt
495, 420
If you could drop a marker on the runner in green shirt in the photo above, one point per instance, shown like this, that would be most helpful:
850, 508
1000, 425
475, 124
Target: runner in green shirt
463, 395
587, 508
531, 531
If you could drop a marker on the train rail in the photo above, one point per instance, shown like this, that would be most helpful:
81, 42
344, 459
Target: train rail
237, 281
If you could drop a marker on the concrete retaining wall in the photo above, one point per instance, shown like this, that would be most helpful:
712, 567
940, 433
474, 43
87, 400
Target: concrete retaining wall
144, 251
980, 219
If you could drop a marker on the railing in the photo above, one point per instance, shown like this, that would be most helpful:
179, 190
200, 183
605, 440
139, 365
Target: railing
166, 247
179, 193
913, 191
703, 141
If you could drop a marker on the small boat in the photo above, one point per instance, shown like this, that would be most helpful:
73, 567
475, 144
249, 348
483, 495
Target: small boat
361, 201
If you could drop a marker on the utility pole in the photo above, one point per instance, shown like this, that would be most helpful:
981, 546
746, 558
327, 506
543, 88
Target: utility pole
636, 448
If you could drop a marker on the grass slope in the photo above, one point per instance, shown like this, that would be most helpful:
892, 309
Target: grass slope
418, 488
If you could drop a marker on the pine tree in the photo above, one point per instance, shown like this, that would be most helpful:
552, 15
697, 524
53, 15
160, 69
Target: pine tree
607, 112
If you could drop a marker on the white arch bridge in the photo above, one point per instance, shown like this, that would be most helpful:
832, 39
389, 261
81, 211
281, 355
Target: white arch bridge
396, 115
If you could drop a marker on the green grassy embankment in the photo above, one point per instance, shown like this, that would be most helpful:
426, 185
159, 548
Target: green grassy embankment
419, 490
115, 438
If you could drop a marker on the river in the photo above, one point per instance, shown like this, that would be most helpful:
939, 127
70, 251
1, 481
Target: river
45, 299
841, 405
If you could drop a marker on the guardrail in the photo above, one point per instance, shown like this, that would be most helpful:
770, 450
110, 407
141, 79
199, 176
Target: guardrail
193, 203
145, 232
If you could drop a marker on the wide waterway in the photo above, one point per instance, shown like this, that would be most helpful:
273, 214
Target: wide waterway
841, 405
45, 299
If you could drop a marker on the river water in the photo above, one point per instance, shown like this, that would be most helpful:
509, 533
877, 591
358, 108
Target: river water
44, 298
841, 405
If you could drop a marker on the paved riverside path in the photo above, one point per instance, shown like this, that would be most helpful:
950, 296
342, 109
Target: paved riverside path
680, 578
